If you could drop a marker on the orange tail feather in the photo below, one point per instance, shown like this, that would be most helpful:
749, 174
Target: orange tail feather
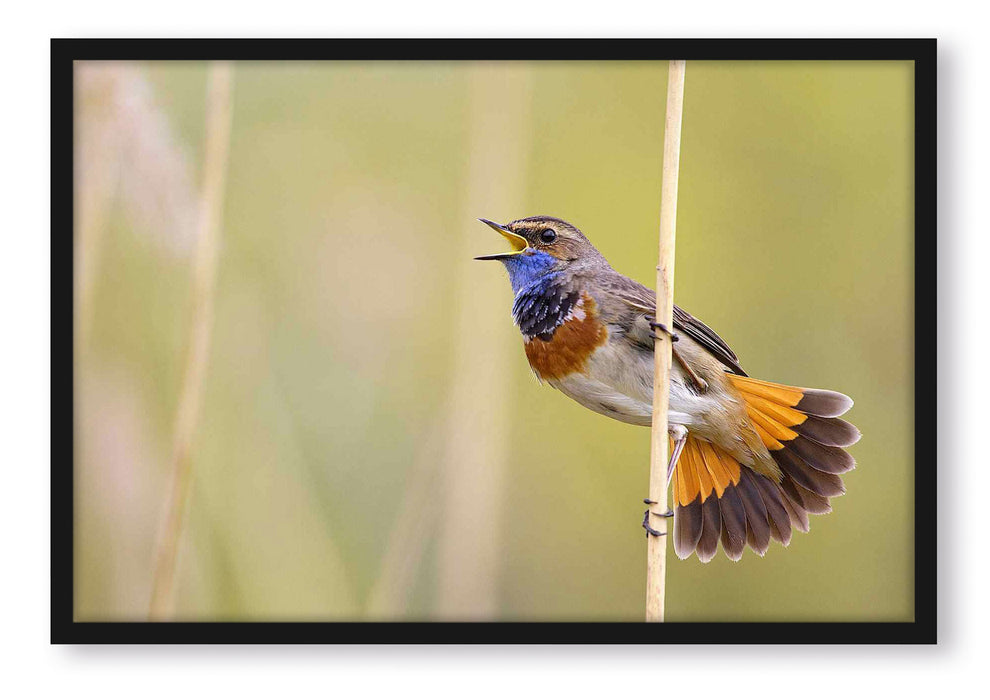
716, 498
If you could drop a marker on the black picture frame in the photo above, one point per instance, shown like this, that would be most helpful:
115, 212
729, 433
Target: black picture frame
66, 630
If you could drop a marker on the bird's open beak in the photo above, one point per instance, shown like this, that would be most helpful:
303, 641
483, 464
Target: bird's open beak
518, 243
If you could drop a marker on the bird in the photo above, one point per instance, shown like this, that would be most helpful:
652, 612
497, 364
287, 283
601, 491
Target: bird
749, 460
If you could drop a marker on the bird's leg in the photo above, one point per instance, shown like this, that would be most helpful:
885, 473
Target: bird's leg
679, 433
698, 382
661, 327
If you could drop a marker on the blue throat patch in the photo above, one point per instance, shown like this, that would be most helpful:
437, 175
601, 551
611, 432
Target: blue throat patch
524, 269
542, 302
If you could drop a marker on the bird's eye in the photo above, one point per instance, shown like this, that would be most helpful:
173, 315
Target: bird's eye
548, 235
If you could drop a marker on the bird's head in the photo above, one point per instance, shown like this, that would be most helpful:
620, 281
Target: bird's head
541, 245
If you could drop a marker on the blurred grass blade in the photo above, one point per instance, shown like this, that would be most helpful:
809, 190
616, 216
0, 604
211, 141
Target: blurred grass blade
479, 415
218, 117
417, 519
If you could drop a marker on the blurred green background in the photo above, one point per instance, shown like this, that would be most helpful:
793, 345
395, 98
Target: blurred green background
371, 443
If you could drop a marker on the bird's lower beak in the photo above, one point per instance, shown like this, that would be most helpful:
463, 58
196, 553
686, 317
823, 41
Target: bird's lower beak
518, 243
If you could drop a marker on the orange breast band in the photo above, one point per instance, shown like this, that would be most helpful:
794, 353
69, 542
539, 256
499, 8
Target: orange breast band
572, 343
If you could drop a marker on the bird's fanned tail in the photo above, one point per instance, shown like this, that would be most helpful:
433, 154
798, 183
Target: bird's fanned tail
717, 499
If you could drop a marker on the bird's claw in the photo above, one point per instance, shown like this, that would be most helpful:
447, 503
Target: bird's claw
646, 519
650, 530
661, 327
668, 514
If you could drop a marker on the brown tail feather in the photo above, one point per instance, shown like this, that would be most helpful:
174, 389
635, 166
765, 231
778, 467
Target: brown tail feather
733, 523
832, 432
776, 504
717, 499
812, 502
824, 458
757, 517
710, 530
821, 482
798, 515
824, 404
688, 523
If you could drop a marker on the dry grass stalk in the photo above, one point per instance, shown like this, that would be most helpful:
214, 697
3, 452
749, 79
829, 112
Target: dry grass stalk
218, 117
657, 546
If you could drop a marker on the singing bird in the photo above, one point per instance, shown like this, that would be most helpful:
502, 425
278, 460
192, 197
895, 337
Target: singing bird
750, 459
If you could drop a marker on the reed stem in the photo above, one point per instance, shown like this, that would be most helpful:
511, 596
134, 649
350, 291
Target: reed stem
656, 574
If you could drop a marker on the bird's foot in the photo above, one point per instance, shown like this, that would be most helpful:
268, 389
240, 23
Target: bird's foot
661, 327
668, 514
646, 519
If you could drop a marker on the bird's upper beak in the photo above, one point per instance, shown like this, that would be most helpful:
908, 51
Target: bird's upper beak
518, 243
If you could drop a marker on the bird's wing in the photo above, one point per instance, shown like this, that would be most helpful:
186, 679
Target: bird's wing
642, 299
708, 339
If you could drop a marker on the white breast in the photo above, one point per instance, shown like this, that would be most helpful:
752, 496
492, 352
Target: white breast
601, 398
619, 384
